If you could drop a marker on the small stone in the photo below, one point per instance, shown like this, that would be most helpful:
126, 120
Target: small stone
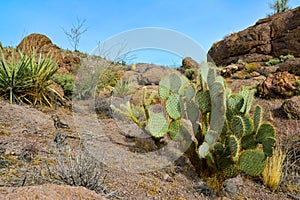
167, 177
255, 74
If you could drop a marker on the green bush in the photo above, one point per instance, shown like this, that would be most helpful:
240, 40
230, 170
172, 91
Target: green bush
66, 81
275, 61
286, 57
250, 67
279, 6
25, 79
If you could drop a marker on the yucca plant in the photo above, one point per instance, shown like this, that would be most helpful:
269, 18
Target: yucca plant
23, 79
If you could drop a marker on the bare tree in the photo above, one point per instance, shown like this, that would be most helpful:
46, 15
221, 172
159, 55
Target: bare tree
76, 32
279, 6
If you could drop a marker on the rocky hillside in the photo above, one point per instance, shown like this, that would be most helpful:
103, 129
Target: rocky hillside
270, 37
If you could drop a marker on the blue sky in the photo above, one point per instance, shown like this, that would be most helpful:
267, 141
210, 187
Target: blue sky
203, 21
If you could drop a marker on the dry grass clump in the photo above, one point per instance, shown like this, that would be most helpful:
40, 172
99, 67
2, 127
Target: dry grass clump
272, 173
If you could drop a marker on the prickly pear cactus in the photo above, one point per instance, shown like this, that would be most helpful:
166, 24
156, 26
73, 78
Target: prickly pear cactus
252, 162
217, 122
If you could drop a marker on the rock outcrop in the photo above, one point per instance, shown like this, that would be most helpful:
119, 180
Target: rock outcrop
41, 44
270, 37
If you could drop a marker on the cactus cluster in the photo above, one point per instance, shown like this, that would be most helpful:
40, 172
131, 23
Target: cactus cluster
216, 120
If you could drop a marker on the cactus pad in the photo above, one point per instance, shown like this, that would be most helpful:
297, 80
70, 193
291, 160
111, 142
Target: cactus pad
190, 92
252, 162
237, 126
164, 88
265, 131
175, 82
174, 106
174, 130
235, 103
248, 124
257, 117
211, 137
228, 168
203, 100
268, 146
234, 147
248, 142
158, 125
203, 150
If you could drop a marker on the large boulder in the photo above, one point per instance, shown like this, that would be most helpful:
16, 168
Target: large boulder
41, 44
270, 37
278, 85
291, 107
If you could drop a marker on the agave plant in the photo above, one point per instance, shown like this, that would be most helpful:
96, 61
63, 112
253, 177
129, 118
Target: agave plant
23, 79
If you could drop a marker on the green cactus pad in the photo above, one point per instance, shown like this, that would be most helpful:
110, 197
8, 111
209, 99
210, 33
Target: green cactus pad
248, 96
248, 142
174, 130
164, 88
175, 82
192, 111
228, 168
235, 103
184, 83
218, 103
248, 124
268, 146
174, 106
158, 125
265, 131
234, 146
190, 92
203, 100
203, 150
211, 76
252, 162
211, 137
229, 114
257, 117
237, 126
218, 148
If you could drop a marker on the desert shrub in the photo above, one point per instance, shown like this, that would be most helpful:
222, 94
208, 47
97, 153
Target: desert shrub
86, 83
220, 136
76, 167
122, 88
272, 174
25, 79
190, 73
292, 161
66, 81
279, 6
250, 67
110, 77
286, 57
275, 61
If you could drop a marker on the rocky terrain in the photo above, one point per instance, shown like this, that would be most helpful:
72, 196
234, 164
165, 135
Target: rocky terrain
269, 37
40, 161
